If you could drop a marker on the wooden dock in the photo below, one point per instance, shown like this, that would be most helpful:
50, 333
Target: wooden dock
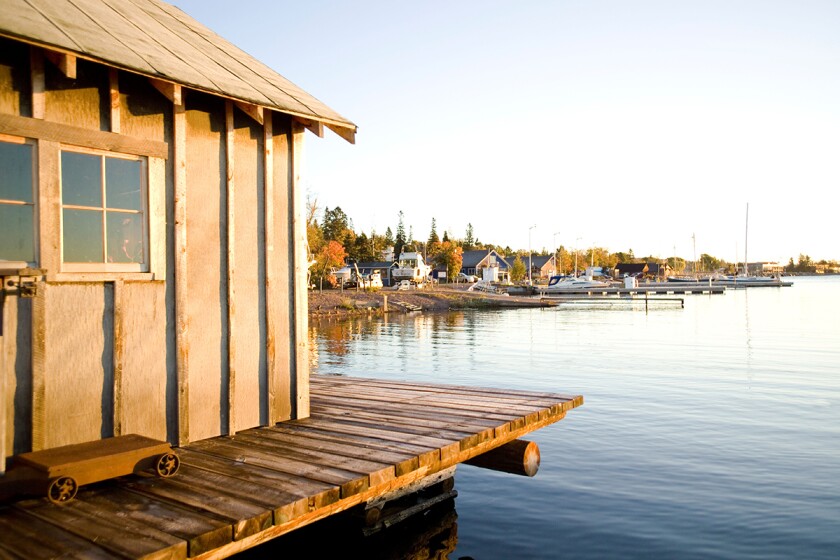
365, 438
659, 288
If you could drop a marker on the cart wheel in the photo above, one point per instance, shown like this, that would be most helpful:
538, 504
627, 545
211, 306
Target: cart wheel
167, 465
62, 489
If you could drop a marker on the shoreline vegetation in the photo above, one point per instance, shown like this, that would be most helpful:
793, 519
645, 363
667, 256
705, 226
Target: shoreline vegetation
437, 298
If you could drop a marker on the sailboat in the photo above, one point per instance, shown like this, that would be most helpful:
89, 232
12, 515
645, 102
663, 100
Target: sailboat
745, 279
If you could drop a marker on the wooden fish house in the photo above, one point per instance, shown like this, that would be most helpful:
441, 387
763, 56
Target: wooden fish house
153, 262
152, 242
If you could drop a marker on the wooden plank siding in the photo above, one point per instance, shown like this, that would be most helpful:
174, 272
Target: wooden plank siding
212, 338
364, 438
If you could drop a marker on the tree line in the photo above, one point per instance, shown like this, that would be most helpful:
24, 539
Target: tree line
333, 241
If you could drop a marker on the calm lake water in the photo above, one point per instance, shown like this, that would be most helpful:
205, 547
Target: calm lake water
711, 431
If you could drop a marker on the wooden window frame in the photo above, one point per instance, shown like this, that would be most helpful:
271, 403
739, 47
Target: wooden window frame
104, 266
49, 139
12, 265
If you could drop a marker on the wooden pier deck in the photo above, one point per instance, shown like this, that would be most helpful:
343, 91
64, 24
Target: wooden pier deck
659, 288
365, 438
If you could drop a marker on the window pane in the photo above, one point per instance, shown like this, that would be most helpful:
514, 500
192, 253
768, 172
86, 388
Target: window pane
82, 236
122, 184
16, 233
16, 172
81, 179
125, 237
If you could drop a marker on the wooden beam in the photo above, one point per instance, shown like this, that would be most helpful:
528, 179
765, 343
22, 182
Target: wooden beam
316, 127
114, 87
230, 148
270, 268
299, 293
119, 355
64, 62
256, 112
78, 136
182, 321
348, 134
49, 202
172, 92
36, 63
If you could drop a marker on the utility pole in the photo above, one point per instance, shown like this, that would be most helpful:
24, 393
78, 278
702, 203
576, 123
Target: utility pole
529, 252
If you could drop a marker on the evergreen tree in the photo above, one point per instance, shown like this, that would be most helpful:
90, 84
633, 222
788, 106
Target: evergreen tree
399, 242
433, 236
389, 236
469, 239
445, 236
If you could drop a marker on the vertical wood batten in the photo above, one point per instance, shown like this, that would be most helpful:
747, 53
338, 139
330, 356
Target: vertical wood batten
119, 356
39, 355
36, 64
49, 207
157, 217
179, 133
4, 404
114, 87
299, 258
231, 266
279, 272
270, 280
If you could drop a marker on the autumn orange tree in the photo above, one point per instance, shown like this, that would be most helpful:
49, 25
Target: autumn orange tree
331, 254
448, 255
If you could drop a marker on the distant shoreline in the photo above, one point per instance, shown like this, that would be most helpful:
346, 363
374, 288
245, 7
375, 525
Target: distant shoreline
439, 298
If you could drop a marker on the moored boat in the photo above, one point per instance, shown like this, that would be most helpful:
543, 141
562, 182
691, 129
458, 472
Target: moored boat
567, 283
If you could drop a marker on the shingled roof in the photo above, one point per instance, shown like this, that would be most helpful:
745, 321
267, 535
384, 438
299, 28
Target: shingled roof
158, 40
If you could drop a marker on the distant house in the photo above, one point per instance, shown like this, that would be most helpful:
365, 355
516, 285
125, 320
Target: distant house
542, 266
475, 262
152, 232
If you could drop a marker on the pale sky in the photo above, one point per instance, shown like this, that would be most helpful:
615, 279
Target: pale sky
622, 124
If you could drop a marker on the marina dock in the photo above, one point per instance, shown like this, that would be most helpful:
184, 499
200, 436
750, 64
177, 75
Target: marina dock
365, 438
658, 288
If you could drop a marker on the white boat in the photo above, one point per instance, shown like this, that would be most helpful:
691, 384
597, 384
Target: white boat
411, 267
567, 283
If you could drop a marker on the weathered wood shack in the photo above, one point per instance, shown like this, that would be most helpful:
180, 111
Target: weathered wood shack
152, 243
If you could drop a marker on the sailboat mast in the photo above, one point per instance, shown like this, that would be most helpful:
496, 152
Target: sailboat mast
746, 231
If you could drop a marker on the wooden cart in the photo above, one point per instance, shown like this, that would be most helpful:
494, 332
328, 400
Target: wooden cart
59, 472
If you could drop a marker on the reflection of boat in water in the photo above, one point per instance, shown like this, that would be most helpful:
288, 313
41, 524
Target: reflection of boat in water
565, 283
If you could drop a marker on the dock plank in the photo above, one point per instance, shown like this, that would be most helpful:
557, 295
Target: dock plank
426, 457
319, 494
245, 518
377, 472
347, 481
201, 532
26, 537
403, 462
117, 534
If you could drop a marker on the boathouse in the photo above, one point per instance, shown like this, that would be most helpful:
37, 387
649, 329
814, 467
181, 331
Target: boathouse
153, 265
150, 227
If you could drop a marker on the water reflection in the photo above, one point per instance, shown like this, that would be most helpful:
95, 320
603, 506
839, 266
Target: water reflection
427, 535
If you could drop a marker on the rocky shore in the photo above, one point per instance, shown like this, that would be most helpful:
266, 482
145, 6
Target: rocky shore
438, 298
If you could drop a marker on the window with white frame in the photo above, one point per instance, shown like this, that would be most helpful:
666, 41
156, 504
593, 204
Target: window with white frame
104, 221
17, 200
